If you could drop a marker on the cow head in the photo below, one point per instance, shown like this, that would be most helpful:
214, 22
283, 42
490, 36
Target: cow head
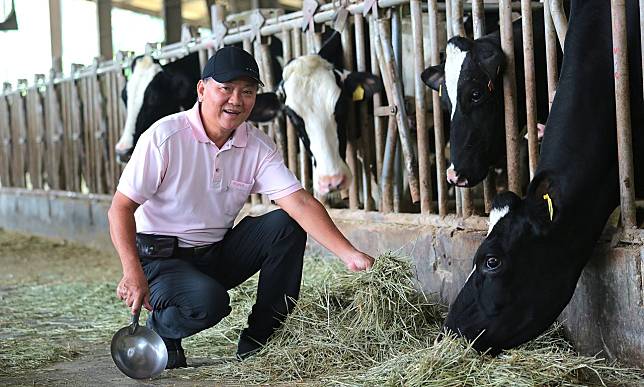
519, 283
468, 83
153, 92
315, 95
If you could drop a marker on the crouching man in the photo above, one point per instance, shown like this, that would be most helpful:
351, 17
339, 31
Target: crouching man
171, 218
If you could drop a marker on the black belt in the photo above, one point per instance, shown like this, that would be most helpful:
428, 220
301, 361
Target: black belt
191, 252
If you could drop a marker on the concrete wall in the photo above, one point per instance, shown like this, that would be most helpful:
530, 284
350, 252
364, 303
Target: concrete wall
605, 315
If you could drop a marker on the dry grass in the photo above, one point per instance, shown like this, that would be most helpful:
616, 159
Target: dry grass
366, 329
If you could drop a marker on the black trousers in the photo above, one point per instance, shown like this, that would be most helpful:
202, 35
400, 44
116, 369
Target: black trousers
189, 292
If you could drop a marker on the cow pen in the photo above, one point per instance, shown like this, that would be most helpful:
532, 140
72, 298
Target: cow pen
58, 166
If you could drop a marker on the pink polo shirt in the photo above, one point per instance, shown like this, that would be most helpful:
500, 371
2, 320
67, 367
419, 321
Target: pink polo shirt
190, 188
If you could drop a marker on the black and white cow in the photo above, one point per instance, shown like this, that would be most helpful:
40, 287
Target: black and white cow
154, 91
525, 271
470, 84
315, 94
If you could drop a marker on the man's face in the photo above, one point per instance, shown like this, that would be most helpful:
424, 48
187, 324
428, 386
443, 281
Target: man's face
226, 105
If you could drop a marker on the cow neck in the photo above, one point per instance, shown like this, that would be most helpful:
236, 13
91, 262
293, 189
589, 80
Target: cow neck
579, 146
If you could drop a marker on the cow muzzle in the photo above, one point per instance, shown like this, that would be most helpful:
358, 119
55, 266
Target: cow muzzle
123, 156
454, 178
332, 183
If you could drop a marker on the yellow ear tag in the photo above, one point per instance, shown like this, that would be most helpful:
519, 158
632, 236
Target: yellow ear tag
547, 198
440, 90
358, 93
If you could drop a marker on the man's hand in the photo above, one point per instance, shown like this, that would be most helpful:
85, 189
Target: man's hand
358, 261
133, 290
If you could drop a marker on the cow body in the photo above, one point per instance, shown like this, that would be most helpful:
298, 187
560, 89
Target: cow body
153, 92
470, 84
525, 271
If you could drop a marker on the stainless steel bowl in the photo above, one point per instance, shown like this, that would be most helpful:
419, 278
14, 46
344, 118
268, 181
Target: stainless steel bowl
138, 351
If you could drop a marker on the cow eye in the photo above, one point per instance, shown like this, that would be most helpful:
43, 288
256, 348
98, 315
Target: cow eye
476, 95
492, 262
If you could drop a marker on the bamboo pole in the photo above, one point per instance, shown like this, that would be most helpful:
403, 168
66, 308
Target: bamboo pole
509, 97
530, 86
623, 113
439, 139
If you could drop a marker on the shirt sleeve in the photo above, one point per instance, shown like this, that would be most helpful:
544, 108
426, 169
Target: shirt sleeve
143, 173
274, 178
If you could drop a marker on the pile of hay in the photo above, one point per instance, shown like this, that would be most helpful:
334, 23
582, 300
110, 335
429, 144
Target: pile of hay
375, 328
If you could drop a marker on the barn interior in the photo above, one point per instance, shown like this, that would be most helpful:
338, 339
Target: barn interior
59, 168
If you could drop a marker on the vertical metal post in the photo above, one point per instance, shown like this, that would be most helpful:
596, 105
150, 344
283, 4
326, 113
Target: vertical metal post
378, 122
365, 126
478, 18
424, 175
291, 135
623, 113
530, 85
352, 162
509, 96
438, 114
394, 92
551, 52
458, 28
305, 162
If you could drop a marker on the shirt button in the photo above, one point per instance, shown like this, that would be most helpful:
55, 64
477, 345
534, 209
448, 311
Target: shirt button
216, 169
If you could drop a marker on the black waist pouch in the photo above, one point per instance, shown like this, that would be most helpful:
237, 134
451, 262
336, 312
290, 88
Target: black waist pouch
156, 246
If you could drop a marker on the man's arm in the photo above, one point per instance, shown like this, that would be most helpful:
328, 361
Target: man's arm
314, 219
133, 288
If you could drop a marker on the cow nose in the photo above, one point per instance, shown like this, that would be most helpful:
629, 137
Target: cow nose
331, 183
123, 156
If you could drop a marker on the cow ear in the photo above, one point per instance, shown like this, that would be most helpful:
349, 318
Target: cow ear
267, 106
362, 85
490, 57
543, 201
434, 76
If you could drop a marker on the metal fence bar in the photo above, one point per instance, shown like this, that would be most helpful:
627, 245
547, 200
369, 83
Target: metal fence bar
291, 135
439, 139
509, 97
351, 157
623, 113
559, 19
5, 140
530, 85
378, 121
551, 53
424, 163
365, 127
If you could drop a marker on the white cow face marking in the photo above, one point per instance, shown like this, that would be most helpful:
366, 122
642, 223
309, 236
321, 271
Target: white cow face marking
143, 73
495, 215
453, 65
312, 93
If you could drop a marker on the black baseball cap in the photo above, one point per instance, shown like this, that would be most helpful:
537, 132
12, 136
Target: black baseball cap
230, 63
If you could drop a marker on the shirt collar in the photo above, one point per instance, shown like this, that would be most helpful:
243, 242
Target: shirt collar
239, 138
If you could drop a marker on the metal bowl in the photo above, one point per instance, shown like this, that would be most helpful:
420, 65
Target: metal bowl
138, 351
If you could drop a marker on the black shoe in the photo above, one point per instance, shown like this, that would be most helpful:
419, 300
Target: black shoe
176, 355
248, 346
